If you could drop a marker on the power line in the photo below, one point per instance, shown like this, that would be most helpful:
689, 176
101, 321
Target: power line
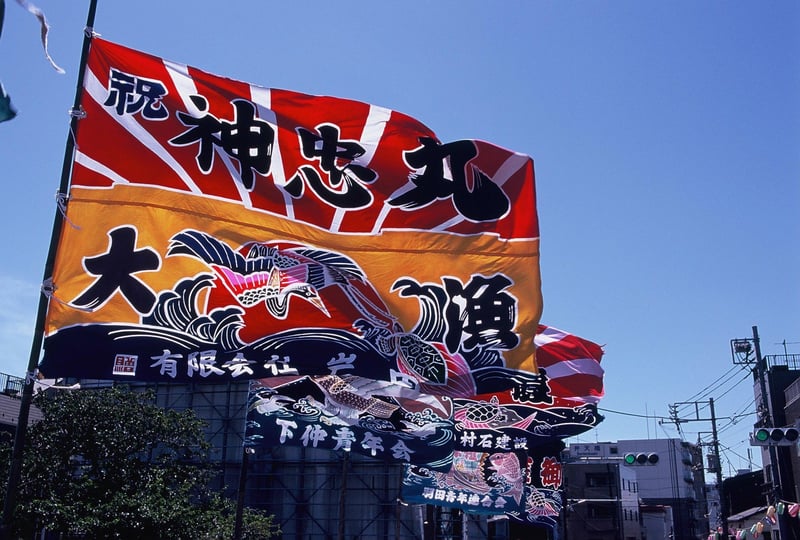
735, 385
714, 387
738, 416
700, 393
652, 416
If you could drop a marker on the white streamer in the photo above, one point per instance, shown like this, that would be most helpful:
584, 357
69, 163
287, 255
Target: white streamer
39, 14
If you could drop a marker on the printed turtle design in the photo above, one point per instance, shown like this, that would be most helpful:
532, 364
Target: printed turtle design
422, 358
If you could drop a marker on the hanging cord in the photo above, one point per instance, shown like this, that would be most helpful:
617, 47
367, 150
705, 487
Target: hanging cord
89, 32
31, 376
78, 114
49, 290
61, 201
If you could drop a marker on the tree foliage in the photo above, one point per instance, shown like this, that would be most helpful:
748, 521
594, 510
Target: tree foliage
110, 463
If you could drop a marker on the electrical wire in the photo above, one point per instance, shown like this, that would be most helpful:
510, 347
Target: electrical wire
714, 388
651, 416
722, 386
733, 421
631, 414
747, 376
705, 391
736, 416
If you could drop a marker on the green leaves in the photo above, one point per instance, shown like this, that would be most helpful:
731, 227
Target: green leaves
110, 463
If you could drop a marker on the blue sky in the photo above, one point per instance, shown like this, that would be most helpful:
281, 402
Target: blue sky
665, 138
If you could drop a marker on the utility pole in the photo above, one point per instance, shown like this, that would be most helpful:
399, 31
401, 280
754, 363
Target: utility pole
742, 349
723, 515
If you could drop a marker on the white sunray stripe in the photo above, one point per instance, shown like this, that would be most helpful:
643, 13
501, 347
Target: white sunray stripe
262, 97
372, 133
336, 220
179, 73
578, 366
96, 91
549, 335
514, 163
452, 222
99, 168
376, 227
235, 173
370, 139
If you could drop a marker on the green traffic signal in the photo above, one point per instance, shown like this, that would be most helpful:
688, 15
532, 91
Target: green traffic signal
778, 436
762, 435
641, 459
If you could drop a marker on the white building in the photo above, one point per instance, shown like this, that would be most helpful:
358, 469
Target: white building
675, 480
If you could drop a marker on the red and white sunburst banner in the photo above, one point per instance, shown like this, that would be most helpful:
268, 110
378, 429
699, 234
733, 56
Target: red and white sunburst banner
216, 229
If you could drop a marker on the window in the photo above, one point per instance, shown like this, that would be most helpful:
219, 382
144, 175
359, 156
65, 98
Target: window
598, 511
613, 450
597, 480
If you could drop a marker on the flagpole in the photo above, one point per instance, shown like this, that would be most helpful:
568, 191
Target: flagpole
15, 468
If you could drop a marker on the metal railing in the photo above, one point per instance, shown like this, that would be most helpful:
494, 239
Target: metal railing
11, 385
791, 361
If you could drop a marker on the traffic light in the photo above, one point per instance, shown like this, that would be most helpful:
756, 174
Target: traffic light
641, 459
780, 436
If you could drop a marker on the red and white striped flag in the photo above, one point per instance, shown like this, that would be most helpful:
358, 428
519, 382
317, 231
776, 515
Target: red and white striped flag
572, 365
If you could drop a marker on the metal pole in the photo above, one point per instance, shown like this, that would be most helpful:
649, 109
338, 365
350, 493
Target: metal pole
343, 494
237, 524
15, 467
766, 403
723, 515
400, 504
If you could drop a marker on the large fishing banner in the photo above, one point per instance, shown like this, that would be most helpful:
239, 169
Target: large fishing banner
378, 419
522, 485
219, 230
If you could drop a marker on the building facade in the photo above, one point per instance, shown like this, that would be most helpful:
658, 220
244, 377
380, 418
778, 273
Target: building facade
779, 408
601, 502
675, 480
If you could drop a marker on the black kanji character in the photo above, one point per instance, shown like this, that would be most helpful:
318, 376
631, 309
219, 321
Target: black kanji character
345, 188
483, 201
115, 270
247, 139
482, 311
129, 94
